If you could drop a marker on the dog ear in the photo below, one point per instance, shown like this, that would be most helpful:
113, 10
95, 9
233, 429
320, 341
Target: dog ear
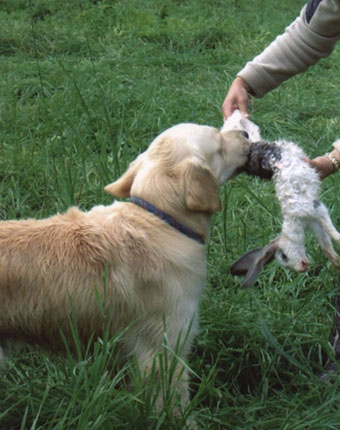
122, 187
200, 188
252, 263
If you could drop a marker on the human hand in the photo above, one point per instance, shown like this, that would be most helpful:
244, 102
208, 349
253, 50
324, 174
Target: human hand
324, 165
237, 98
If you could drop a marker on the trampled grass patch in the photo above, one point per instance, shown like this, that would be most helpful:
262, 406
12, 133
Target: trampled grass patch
85, 86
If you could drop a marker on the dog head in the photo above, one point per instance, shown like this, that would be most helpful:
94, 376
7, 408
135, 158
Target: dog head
185, 165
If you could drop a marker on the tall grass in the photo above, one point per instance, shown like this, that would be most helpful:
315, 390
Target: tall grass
85, 86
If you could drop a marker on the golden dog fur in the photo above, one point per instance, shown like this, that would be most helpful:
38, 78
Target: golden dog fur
154, 274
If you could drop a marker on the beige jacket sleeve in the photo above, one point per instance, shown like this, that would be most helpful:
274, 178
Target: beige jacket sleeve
310, 37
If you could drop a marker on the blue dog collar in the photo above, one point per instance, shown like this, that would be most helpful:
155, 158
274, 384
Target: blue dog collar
168, 219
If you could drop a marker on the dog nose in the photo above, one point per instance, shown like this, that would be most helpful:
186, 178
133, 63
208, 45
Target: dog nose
245, 134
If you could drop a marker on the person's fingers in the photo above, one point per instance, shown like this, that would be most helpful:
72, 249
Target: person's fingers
243, 106
228, 108
322, 165
236, 98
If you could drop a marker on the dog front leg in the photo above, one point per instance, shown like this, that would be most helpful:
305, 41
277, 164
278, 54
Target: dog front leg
165, 373
161, 355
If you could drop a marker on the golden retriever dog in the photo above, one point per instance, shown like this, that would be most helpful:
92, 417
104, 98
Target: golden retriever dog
143, 258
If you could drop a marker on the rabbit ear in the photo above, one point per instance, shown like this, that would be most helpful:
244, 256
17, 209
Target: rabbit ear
252, 263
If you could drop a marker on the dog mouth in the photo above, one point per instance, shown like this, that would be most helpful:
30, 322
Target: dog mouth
261, 158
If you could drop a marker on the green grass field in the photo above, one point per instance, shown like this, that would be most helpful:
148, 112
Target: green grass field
85, 86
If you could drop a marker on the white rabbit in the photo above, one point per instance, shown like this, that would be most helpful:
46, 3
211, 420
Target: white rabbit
297, 187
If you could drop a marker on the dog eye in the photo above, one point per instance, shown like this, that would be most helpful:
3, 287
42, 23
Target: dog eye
245, 134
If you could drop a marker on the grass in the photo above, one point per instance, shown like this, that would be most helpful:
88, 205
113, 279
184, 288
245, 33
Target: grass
85, 86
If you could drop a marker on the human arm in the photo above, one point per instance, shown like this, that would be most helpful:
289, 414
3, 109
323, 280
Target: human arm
310, 37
